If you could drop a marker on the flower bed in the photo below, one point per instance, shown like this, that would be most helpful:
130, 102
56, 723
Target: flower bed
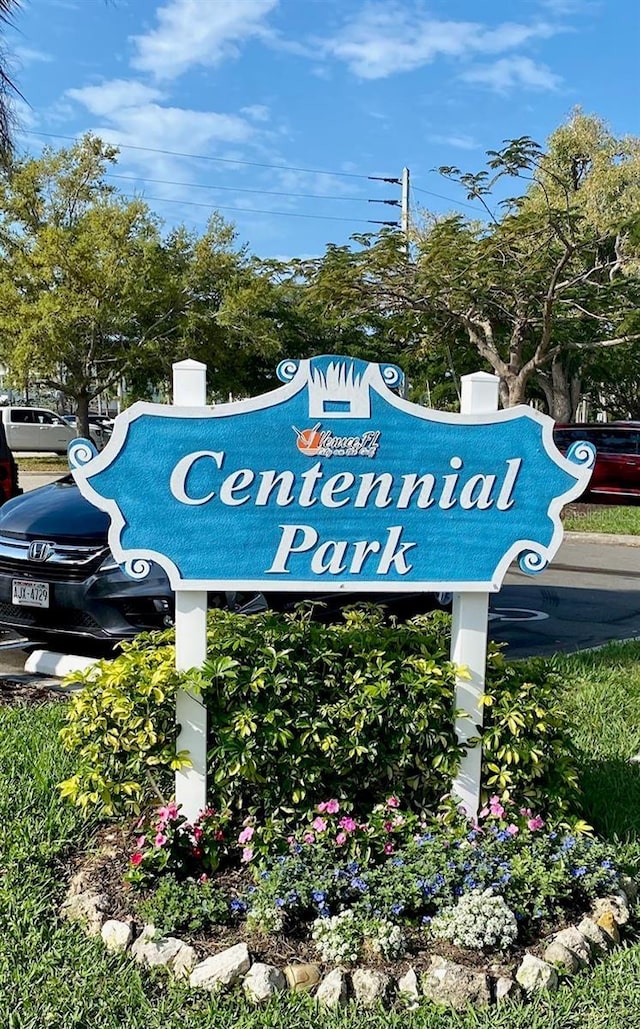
394, 892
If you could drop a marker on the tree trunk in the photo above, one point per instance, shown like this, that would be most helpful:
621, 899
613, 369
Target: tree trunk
561, 390
513, 390
82, 416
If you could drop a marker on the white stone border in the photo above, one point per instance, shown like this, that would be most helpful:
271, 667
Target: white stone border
445, 982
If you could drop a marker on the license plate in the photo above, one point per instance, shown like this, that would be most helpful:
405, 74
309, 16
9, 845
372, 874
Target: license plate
29, 593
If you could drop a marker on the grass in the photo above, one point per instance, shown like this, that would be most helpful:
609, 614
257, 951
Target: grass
623, 521
42, 463
51, 974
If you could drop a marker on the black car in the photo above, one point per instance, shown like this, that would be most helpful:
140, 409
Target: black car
60, 582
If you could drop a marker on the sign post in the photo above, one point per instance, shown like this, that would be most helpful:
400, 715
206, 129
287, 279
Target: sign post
469, 631
190, 390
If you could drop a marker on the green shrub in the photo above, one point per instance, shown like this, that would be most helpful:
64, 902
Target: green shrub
122, 728
528, 754
179, 906
300, 711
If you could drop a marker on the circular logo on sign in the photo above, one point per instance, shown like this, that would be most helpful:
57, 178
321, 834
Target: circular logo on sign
308, 441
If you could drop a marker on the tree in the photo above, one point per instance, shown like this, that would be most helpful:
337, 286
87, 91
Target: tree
531, 289
84, 289
7, 88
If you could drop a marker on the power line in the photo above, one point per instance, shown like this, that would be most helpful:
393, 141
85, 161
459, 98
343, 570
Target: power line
207, 157
251, 164
233, 189
246, 210
459, 203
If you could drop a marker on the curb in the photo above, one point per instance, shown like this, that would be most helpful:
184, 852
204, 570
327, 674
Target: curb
603, 537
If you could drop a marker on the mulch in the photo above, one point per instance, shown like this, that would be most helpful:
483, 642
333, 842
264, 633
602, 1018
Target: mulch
22, 690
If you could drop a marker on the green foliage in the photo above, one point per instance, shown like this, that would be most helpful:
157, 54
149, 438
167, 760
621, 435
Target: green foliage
300, 710
184, 906
121, 728
527, 747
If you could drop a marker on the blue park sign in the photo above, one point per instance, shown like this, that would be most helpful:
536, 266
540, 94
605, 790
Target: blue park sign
332, 481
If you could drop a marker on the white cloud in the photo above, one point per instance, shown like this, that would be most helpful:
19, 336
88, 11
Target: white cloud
461, 141
114, 95
388, 38
29, 55
509, 72
257, 112
191, 33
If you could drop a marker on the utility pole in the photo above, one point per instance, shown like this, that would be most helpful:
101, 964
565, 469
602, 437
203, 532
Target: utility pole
403, 203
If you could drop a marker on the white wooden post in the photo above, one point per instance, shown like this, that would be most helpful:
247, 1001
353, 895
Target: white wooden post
469, 630
190, 390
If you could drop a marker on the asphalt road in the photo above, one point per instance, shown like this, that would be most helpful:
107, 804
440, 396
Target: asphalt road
589, 595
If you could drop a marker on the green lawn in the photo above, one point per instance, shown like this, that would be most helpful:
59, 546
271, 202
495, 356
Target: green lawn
624, 521
52, 975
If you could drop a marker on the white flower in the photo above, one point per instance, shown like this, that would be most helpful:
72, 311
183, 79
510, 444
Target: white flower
479, 920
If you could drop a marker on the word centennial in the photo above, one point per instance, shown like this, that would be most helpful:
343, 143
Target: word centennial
367, 489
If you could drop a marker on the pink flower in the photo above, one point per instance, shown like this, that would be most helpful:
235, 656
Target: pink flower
484, 812
341, 838
170, 811
319, 824
496, 807
322, 807
308, 838
197, 834
388, 848
388, 826
513, 830
291, 840
332, 807
160, 839
247, 854
536, 823
140, 842
204, 878
197, 852
398, 820
246, 835
393, 802
136, 858
525, 812
348, 824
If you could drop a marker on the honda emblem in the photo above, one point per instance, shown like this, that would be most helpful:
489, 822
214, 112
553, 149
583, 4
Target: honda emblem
40, 550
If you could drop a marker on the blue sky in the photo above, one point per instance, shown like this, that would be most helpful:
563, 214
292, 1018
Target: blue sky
254, 101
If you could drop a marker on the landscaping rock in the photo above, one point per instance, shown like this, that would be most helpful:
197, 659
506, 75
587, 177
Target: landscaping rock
154, 951
617, 904
370, 987
534, 975
184, 962
117, 936
563, 958
332, 991
303, 977
408, 990
89, 909
630, 887
454, 985
507, 989
574, 941
262, 982
223, 969
599, 941
608, 924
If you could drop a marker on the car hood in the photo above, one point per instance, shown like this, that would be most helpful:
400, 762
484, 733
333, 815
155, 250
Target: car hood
56, 511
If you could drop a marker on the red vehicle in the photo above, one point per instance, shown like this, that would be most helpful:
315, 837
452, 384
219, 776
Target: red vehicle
616, 475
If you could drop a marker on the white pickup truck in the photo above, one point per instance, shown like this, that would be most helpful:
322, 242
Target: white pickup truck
36, 428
